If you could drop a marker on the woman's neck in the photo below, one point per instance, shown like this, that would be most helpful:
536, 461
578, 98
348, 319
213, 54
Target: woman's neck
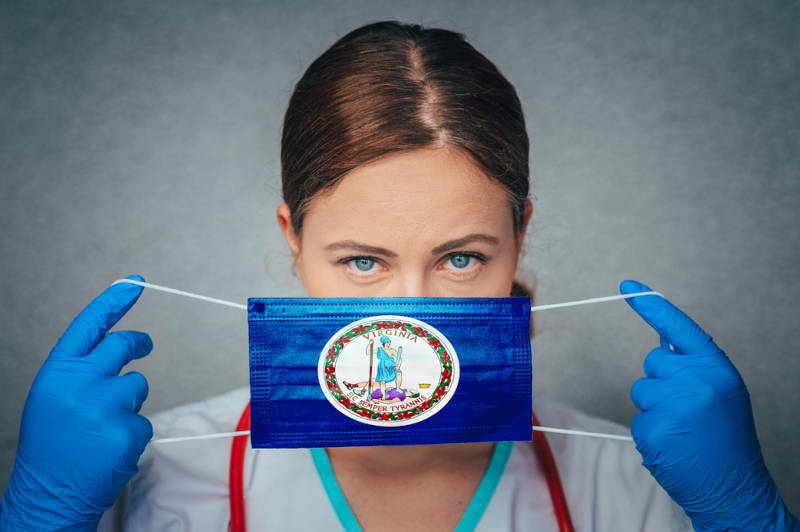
410, 459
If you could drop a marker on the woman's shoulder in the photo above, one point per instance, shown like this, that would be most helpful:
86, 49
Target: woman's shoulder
606, 485
187, 482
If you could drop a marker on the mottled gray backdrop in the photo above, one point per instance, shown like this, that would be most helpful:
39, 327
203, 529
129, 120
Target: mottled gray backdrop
143, 137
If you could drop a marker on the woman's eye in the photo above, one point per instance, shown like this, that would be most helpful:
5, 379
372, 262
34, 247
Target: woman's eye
461, 262
363, 264
463, 266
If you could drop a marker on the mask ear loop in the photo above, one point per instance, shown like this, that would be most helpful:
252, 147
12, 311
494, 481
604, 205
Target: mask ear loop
664, 343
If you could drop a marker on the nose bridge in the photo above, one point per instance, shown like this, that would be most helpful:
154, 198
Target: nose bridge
411, 283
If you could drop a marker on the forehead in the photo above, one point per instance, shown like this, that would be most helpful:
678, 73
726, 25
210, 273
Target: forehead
428, 194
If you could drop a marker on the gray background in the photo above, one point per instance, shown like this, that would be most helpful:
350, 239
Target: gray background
144, 138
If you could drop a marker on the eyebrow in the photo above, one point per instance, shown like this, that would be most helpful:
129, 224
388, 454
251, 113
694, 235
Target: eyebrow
447, 246
363, 248
458, 242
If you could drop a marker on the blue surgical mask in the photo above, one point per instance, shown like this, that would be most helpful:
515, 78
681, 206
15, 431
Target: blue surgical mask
477, 354
340, 372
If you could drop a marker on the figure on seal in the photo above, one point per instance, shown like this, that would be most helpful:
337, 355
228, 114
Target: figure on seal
388, 371
389, 362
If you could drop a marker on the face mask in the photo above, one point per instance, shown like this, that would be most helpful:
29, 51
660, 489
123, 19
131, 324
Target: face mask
333, 372
478, 350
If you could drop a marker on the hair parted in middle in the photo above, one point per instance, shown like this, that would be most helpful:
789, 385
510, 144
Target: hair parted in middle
391, 87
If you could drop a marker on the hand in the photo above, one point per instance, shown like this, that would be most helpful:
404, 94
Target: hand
81, 437
696, 433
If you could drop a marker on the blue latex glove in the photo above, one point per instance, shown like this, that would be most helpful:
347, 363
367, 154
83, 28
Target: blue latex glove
696, 432
81, 437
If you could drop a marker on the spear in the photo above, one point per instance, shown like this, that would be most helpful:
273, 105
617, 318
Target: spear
369, 377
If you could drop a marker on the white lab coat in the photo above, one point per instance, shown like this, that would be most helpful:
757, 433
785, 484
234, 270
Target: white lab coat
184, 486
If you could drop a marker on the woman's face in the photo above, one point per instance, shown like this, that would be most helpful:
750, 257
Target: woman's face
422, 223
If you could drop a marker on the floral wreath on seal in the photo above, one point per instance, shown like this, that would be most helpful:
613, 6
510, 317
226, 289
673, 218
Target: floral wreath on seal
445, 378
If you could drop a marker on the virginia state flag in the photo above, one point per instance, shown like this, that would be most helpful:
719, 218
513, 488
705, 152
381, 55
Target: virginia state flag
340, 372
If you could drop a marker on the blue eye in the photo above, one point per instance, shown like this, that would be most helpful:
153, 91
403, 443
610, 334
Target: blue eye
364, 264
460, 261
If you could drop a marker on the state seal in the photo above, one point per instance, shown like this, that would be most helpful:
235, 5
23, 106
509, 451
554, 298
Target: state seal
388, 370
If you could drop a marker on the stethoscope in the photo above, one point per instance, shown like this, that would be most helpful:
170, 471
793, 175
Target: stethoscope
236, 477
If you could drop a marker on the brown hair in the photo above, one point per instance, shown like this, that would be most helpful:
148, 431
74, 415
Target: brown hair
389, 87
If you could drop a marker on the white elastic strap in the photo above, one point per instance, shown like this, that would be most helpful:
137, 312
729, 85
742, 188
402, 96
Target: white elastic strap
204, 436
539, 429
594, 300
244, 307
533, 309
181, 293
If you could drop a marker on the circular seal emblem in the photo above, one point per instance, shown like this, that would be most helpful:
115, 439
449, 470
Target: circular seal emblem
388, 370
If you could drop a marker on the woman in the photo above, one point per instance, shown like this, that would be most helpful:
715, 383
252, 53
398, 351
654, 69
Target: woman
389, 371
414, 119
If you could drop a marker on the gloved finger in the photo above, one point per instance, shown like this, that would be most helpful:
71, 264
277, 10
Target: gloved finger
88, 327
141, 432
659, 435
643, 425
126, 391
647, 393
670, 322
119, 348
664, 363
656, 363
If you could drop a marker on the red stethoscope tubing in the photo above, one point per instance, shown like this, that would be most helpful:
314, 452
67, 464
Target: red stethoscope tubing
540, 445
548, 463
236, 474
